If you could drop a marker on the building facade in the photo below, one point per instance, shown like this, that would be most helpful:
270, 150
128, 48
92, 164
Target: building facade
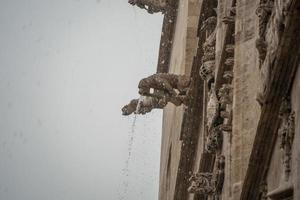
238, 135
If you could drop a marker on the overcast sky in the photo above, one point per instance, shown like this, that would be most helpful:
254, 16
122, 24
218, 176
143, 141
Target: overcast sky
66, 69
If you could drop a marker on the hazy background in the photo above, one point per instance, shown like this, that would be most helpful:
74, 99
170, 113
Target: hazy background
66, 69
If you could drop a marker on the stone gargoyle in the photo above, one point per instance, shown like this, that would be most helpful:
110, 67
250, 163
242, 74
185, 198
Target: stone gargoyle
152, 6
172, 87
147, 104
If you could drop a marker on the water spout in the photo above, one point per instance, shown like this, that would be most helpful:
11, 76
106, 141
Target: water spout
138, 107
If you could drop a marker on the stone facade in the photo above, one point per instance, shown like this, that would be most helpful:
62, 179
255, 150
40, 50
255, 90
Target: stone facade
237, 137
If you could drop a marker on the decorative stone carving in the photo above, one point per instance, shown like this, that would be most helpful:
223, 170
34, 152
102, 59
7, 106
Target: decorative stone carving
220, 174
230, 48
214, 140
229, 61
172, 87
225, 95
230, 19
286, 134
263, 12
202, 183
146, 105
209, 25
207, 70
272, 14
212, 111
152, 6
209, 184
264, 190
209, 50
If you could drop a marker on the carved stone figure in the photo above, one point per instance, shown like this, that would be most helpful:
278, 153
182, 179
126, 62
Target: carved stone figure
230, 48
286, 134
272, 14
214, 140
209, 50
130, 108
202, 183
209, 184
230, 18
225, 95
212, 111
147, 104
170, 86
220, 174
229, 61
263, 12
152, 6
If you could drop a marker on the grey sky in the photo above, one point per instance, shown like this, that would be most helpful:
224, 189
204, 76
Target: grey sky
66, 69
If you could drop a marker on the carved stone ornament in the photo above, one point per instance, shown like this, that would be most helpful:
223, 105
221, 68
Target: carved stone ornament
209, 184
225, 95
230, 18
214, 140
263, 12
229, 61
286, 134
202, 183
207, 70
209, 50
271, 22
212, 110
172, 87
230, 48
144, 105
152, 6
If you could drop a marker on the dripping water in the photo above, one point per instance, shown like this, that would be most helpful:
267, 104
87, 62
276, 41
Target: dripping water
126, 170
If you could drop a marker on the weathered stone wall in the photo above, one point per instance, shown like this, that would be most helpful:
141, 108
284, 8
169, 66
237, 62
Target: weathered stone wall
246, 110
295, 98
172, 117
183, 51
247, 115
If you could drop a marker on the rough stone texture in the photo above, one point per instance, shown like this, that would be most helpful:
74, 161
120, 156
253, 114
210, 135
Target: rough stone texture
246, 110
253, 158
172, 117
295, 98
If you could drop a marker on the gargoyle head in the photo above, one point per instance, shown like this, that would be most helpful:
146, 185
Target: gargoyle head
132, 2
130, 108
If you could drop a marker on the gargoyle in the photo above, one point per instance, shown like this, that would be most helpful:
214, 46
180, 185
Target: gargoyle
174, 88
152, 6
147, 104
